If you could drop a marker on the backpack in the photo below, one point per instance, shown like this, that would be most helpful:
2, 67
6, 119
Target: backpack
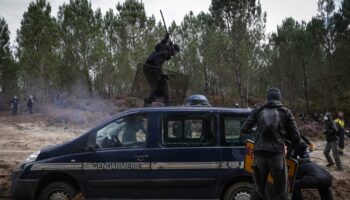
270, 122
269, 136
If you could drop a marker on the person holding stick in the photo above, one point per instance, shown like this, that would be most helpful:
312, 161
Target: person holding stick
157, 80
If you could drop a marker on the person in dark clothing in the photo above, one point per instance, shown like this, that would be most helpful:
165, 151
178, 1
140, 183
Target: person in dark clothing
311, 176
303, 117
341, 131
275, 124
152, 69
331, 131
57, 99
14, 105
30, 104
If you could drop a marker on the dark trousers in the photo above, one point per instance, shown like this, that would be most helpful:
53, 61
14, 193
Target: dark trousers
158, 84
309, 182
334, 147
276, 165
30, 109
14, 111
341, 141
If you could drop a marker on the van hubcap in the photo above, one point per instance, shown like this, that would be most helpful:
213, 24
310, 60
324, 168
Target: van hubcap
59, 196
242, 196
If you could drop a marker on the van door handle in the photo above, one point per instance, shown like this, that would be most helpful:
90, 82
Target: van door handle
141, 157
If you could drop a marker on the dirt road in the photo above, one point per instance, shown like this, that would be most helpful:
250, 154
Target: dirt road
21, 136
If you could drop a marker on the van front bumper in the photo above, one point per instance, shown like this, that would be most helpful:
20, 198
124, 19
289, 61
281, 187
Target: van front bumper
22, 188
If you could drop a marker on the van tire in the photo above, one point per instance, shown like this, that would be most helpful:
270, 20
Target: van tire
239, 191
62, 190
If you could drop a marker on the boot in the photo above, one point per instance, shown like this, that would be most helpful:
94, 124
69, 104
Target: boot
147, 103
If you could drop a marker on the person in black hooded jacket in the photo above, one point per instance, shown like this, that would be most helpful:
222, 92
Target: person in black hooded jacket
153, 72
275, 124
310, 175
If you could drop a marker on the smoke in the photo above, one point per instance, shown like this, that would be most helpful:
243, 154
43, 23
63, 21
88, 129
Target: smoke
79, 106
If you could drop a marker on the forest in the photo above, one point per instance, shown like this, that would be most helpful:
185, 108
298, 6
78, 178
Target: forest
225, 52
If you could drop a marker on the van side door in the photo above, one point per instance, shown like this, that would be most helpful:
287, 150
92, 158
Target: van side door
232, 143
187, 162
119, 166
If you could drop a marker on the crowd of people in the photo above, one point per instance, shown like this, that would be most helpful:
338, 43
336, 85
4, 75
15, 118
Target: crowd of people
29, 103
276, 128
15, 104
278, 138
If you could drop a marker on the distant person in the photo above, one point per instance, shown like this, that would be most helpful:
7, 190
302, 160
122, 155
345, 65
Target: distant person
275, 124
14, 105
341, 131
57, 99
152, 69
331, 131
303, 118
30, 104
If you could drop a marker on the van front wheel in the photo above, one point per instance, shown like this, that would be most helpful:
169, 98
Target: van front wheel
238, 191
58, 191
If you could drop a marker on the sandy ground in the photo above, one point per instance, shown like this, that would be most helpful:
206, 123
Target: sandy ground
22, 135
341, 179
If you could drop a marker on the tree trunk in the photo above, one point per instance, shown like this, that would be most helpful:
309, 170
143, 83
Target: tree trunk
306, 89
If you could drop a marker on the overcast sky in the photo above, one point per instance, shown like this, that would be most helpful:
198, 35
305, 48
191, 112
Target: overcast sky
277, 10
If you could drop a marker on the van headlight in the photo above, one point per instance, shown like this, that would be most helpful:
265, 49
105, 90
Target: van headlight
32, 157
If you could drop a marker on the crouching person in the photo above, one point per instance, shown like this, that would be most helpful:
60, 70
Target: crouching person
311, 176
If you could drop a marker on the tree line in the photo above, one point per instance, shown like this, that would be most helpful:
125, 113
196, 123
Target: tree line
225, 52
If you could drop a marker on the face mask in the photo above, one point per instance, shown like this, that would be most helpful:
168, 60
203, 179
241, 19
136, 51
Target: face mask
325, 118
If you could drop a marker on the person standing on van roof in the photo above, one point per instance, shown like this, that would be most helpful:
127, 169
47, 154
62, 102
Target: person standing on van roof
275, 124
153, 72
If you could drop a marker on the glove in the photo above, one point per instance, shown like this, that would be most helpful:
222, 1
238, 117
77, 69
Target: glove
164, 76
167, 36
300, 149
312, 146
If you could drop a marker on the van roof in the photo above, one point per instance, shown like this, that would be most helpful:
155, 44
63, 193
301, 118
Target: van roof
189, 108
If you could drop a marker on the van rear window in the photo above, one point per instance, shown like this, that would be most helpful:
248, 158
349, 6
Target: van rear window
231, 127
188, 131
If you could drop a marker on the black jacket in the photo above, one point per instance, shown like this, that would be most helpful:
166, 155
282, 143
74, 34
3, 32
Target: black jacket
161, 54
310, 174
286, 129
331, 130
14, 103
30, 102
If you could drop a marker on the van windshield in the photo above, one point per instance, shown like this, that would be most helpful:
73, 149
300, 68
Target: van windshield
128, 131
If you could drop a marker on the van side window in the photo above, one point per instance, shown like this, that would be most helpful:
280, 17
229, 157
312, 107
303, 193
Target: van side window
231, 127
129, 131
188, 131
